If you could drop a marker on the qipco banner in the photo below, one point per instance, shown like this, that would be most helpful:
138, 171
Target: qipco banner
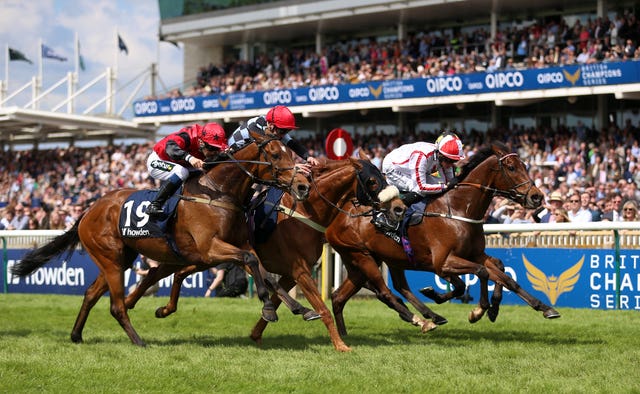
74, 275
580, 278
475, 83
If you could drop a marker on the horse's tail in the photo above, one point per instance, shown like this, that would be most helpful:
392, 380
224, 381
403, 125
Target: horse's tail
40, 256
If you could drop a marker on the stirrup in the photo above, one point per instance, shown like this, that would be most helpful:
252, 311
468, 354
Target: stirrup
381, 222
154, 210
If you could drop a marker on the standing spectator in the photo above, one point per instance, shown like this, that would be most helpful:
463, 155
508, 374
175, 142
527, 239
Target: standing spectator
143, 270
229, 281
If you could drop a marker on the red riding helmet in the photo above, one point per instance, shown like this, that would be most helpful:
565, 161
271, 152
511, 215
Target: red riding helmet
213, 134
450, 146
281, 117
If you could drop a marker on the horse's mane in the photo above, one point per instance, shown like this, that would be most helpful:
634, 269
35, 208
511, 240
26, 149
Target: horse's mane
481, 155
327, 165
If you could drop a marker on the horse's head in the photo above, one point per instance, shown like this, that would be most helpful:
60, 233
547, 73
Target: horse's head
508, 175
373, 190
267, 161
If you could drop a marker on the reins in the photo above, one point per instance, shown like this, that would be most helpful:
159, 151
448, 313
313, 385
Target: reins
512, 193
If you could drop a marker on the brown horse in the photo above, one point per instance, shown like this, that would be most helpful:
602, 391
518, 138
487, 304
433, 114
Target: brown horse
208, 229
449, 241
294, 247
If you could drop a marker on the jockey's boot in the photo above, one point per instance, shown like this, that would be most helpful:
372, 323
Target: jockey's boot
166, 191
382, 222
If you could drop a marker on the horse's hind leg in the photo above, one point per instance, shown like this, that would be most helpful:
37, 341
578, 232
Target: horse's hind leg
458, 290
178, 278
399, 280
285, 284
91, 297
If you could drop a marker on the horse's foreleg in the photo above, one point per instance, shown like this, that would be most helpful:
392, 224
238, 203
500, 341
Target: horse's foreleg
339, 298
291, 303
399, 281
496, 298
498, 276
454, 266
91, 297
308, 287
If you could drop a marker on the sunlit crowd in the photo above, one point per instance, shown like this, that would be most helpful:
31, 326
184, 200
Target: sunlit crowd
48, 189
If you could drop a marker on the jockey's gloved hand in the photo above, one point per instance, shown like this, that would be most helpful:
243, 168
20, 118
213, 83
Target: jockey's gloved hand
453, 183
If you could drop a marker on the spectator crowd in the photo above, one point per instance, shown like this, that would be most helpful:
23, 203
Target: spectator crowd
587, 175
536, 44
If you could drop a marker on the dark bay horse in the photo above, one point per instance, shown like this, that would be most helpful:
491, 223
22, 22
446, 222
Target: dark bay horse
209, 228
295, 246
449, 241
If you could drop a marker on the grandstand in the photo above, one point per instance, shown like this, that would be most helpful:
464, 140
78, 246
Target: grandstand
220, 32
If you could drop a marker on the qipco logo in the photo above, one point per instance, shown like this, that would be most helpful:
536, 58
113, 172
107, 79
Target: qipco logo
146, 108
183, 104
277, 97
329, 93
502, 80
446, 84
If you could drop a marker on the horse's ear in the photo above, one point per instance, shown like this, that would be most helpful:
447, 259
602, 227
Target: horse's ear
363, 156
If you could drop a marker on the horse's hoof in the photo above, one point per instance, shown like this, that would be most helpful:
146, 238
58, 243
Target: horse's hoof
257, 339
551, 314
440, 320
311, 315
343, 348
428, 292
75, 338
493, 314
160, 313
428, 326
269, 315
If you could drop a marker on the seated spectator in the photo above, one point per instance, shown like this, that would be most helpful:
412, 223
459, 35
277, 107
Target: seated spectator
229, 281
20, 221
630, 211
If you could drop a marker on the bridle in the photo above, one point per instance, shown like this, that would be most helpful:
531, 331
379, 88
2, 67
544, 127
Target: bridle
364, 196
275, 170
511, 193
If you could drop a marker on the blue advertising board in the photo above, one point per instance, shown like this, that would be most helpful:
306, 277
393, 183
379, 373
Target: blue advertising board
580, 278
598, 74
74, 275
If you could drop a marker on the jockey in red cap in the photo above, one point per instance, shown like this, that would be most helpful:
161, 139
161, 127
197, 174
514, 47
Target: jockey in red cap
172, 155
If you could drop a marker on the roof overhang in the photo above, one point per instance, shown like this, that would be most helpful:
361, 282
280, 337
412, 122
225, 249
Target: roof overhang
31, 126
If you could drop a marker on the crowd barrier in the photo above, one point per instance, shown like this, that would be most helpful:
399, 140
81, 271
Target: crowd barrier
594, 265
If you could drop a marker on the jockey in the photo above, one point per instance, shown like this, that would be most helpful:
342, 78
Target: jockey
175, 153
420, 169
278, 121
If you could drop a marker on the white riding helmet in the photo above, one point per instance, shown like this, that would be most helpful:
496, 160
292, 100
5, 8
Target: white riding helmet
450, 146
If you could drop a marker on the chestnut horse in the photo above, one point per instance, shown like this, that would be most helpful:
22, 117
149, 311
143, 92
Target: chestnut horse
295, 246
208, 229
449, 241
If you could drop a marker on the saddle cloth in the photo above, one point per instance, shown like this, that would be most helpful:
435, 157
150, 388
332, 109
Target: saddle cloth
135, 223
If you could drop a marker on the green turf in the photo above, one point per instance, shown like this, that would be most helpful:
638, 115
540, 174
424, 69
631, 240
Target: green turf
205, 348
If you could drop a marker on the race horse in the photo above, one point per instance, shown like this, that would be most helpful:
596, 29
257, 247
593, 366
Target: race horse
209, 228
449, 241
295, 245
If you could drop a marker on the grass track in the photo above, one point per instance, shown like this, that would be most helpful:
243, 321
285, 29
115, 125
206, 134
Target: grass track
205, 348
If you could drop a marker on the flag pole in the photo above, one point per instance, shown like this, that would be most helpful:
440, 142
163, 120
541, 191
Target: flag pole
6, 66
76, 57
40, 62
